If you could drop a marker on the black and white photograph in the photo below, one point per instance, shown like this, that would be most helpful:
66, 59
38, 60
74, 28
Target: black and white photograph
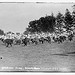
37, 37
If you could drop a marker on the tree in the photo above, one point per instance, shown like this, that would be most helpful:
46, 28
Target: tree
50, 21
1, 32
68, 20
59, 21
33, 26
44, 24
73, 15
10, 32
26, 32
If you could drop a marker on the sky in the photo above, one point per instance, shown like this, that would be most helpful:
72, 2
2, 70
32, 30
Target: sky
15, 17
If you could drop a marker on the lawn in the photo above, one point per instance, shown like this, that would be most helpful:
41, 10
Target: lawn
41, 57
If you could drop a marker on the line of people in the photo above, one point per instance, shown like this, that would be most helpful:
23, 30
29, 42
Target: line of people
36, 39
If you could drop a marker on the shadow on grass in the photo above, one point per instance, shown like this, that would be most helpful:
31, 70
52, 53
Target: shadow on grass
60, 54
71, 53
66, 54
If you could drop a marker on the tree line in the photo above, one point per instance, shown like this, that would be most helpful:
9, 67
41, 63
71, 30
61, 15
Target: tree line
52, 23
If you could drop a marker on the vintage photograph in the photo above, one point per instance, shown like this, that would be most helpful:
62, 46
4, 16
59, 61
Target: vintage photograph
37, 37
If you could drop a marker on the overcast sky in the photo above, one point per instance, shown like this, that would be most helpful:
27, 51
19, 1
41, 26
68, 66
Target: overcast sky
16, 16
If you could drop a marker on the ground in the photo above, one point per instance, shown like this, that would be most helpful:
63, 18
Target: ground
41, 57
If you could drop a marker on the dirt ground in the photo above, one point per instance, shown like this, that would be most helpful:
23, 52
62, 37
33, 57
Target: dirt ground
41, 57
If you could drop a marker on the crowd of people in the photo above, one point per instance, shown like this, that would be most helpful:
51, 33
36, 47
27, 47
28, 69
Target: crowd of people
36, 38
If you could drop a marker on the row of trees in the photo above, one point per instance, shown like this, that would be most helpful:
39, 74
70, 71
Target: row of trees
9, 32
51, 23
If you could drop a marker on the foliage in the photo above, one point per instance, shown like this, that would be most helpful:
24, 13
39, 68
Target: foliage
68, 20
44, 24
1, 32
51, 23
59, 21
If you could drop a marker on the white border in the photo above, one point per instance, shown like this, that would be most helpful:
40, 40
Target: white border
37, 74
55, 1
37, 1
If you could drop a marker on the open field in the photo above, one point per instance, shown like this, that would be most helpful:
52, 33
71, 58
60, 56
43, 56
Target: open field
44, 57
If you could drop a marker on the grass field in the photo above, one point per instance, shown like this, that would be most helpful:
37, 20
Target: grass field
42, 57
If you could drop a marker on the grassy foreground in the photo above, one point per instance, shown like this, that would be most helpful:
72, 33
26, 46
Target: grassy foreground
41, 57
